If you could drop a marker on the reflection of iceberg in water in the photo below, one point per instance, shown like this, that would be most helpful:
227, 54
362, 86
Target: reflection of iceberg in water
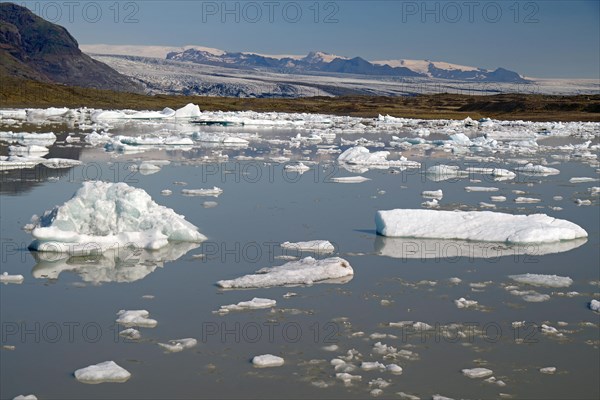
410, 248
124, 265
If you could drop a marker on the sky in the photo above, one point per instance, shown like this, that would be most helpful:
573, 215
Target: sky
543, 39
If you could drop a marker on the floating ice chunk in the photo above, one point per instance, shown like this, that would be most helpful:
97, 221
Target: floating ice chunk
102, 214
527, 200
483, 204
255, 303
35, 150
188, 111
495, 381
461, 139
316, 246
135, 318
548, 370
360, 155
214, 192
455, 280
477, 373
475, 225
394, 369
347, 378
537, 170
594, 190
498, 199
302, 272
376, 392
464, 303
16, 162
503, 173
177, 345
407, 396
582, 179
481, 189
433, 203
166, 192
96, 138
550, 330
42, 139
580, 202
530, 296
370, 366
131, 334
554, 281
210, 204
440, 397
107, 371
350, 179
379, 383
444, 172
26, 397
6, 278
299, 168
333, 347
433, 194
147, 168
267, 361
595, 305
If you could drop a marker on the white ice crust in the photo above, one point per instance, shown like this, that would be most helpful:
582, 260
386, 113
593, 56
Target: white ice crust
475, 225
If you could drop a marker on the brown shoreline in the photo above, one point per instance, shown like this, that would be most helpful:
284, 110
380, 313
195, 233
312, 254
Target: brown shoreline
20, 93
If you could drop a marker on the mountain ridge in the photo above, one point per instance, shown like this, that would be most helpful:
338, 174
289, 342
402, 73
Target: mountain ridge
33, 48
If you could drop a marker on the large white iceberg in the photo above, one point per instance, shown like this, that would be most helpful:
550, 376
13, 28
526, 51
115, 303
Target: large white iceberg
302, 272
486, 226
106, 215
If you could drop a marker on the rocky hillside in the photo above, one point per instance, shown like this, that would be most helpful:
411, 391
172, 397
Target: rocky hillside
33, 48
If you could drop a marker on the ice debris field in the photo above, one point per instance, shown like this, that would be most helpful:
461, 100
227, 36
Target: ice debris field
427, 224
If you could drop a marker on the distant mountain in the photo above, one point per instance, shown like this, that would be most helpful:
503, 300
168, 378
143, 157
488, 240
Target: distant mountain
33, 48
319, 62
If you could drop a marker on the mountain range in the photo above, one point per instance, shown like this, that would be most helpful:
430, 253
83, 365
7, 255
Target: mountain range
319, 62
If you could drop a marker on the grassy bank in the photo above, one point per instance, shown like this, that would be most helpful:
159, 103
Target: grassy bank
20, 93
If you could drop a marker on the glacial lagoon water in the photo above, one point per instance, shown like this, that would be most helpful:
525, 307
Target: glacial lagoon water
62, 317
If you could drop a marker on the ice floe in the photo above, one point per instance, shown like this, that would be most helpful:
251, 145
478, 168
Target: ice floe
315, 246
267, 361
302, 272
464, 303
361, 156
595, 305
254, 304
433, 194
107, 371
140, 318
475, 225
548, 370
554, 281
101, 215
349, 179
177, 345
130, 334
210, 192
532, 169
6, 278
477, 372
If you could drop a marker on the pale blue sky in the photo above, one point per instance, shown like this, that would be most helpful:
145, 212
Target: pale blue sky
534, 38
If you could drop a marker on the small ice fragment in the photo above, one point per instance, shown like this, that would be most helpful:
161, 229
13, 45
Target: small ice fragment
455, 280
554, 281
135, 318
25, 397
254, 304
299, 168
131, 334
481, 189
527, 200
347, 378
433, 203
595, 305
214, 192
370, 366
580, 202
333, 347
483, 204
210, 204
267, 361
433, 194
107, 371
498, 199
166, 192
477, 372
350, 179
316, 246
394, 369
6, 278
464, 303
289, 294
177, 345
407, 396
548, 370
582, 179
303, 272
